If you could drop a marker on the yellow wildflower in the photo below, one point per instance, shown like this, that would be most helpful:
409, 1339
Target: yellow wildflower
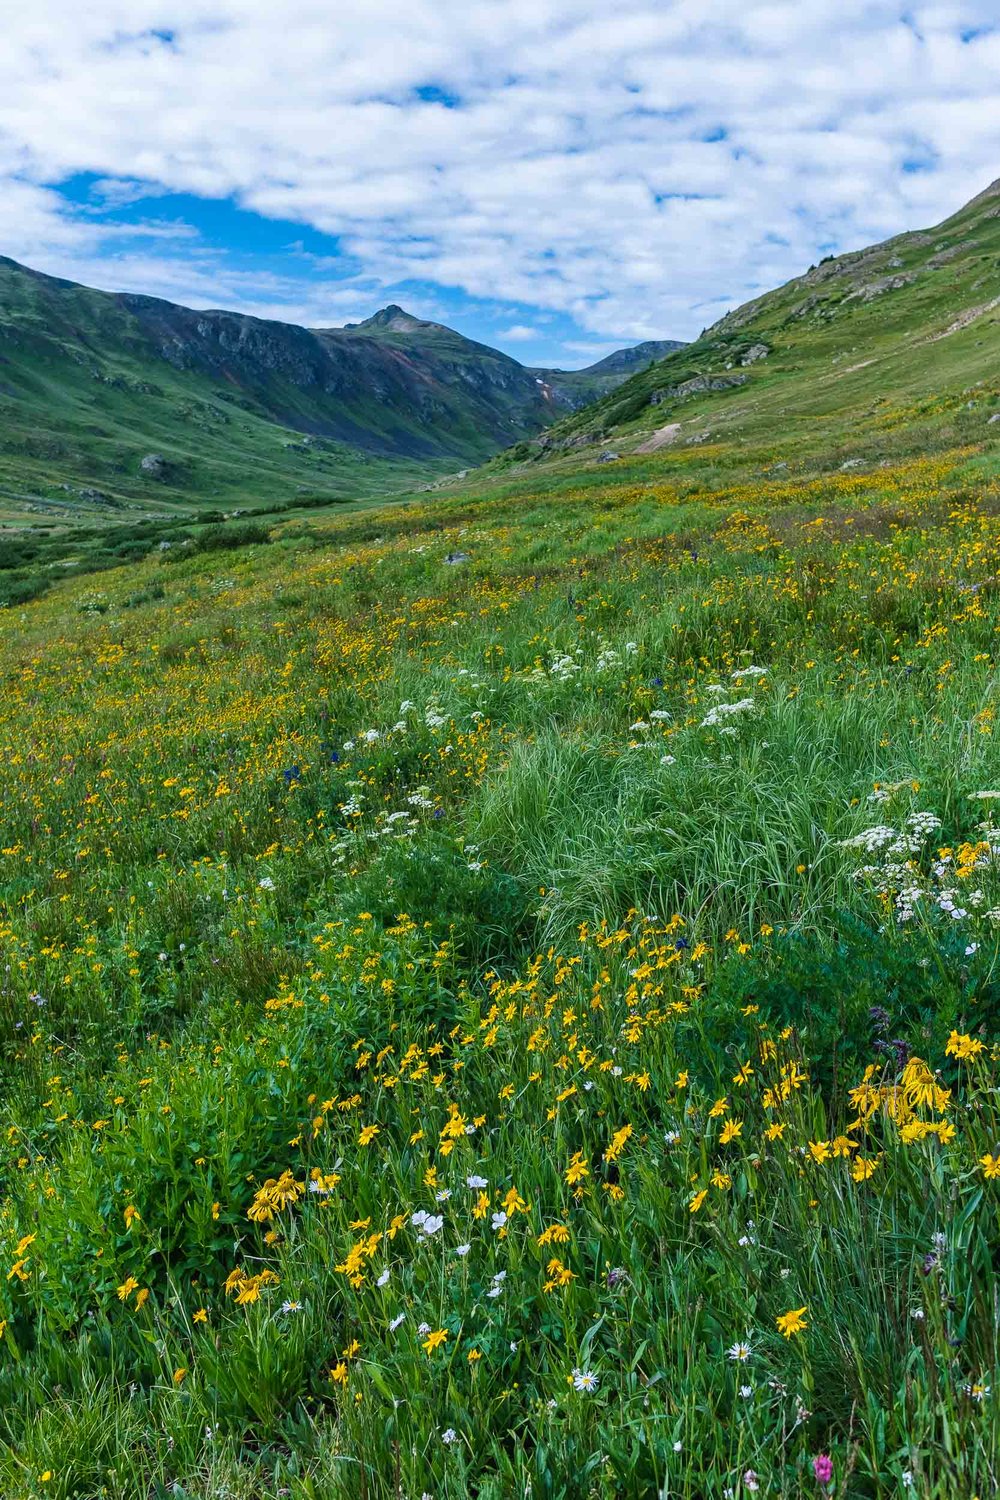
791, 1322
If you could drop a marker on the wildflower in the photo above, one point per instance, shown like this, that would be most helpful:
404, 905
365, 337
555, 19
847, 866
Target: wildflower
499, 1220
577, 1169
990, 1165
584, 1380
449, 1436
559, 1275
126, 1289
277, 1194
750, 1481
131, 1215
698, 1200
200, 1315
963, 1046
179, 1374
618, 1143
395, 1322
289, 1307
434, 1339
476, 1182
791, 1322
823, 1468
739, 1351
368, 1134
731, 1130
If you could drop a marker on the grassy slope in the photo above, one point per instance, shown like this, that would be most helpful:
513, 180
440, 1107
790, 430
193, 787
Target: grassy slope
270, 812
243, 410
843, 371
83, 403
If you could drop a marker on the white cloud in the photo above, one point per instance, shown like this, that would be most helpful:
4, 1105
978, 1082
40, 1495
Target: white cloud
518, 333
639, 166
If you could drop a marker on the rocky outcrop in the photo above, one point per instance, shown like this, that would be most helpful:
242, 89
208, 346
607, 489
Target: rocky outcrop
696, 386
878, 288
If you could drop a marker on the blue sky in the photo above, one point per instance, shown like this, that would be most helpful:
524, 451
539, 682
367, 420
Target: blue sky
556, 177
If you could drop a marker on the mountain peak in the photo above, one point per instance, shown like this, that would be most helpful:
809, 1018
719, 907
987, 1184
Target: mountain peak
392, 319
993, 191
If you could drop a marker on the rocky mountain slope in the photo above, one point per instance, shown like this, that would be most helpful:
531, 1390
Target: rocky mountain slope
108, 399
881, 351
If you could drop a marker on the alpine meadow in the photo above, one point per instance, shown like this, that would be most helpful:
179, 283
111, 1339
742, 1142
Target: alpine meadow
501, 973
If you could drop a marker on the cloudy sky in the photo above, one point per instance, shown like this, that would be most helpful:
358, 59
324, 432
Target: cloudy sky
557, 177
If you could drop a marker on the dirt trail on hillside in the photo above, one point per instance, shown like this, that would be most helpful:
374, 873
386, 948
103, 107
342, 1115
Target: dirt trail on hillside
662, 438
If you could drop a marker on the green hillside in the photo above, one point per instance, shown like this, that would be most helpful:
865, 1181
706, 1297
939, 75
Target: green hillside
501, 991
881, 352
117, 403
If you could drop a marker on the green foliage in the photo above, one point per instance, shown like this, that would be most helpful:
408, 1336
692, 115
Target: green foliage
586, 832
20, 588
226, 538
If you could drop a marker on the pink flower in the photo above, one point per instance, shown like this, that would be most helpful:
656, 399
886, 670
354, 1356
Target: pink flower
823, 1468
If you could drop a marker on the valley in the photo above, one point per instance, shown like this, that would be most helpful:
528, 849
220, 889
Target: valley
501, 970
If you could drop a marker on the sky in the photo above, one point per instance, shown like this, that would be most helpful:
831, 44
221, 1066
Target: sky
555, 177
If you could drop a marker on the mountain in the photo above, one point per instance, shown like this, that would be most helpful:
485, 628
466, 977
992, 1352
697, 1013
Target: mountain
392, 319
627, 361
576, 388
111, 399
560, 390
882, 351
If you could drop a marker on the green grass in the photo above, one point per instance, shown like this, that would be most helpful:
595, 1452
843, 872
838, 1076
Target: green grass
335, 874
206, 859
